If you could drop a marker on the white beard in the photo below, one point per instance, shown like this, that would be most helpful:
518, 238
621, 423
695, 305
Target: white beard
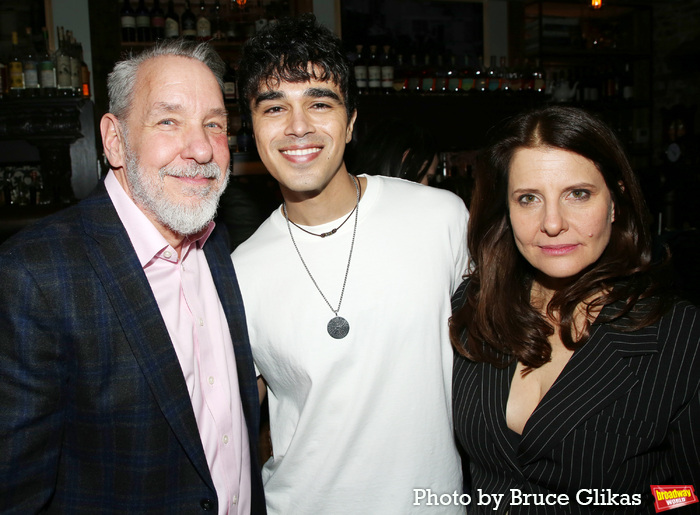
184, 218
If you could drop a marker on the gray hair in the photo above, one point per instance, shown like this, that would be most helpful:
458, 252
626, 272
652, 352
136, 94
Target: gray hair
120, 82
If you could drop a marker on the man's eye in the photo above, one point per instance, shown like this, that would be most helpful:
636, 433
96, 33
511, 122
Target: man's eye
272, 110
166, 122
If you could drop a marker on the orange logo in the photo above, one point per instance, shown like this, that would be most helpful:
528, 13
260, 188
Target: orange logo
668, 497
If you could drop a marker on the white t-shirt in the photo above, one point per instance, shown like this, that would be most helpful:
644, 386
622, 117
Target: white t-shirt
358, 423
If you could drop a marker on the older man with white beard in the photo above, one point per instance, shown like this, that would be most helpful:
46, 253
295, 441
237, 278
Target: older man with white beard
126, 380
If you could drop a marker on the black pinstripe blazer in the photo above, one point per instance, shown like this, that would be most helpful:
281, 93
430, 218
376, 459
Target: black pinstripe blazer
624, 414
95, 416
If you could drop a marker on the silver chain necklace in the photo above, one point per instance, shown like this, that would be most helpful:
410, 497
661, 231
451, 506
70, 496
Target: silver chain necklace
338, 327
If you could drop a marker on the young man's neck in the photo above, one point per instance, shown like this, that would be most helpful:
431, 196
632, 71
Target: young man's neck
337, 199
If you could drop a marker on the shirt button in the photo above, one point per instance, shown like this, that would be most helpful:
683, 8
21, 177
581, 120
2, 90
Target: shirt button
167, 254
234, 500
225, 439
182, 266
211, 379
201, 321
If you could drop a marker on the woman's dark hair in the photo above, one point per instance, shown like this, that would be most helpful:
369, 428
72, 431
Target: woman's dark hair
293, 50
381, 150
498, 319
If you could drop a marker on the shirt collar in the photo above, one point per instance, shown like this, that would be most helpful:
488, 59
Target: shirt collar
148, 242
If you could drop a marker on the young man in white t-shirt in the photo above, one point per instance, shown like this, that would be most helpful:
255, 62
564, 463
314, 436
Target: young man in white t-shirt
347, 292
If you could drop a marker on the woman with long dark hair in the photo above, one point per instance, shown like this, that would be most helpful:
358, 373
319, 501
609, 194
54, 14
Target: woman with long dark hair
574, 373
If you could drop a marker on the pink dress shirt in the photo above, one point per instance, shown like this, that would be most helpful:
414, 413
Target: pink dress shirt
195, 319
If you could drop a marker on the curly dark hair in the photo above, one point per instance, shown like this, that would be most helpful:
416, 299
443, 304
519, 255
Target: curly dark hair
294, 50
498, 318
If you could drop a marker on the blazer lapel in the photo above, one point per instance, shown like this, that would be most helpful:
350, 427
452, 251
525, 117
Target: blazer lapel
129, 292
494, 397
596, 375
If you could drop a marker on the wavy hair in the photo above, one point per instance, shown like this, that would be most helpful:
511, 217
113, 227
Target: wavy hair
121, 81
293, 50
500, 323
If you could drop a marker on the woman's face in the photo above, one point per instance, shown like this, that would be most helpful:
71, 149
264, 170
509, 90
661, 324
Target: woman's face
561, 211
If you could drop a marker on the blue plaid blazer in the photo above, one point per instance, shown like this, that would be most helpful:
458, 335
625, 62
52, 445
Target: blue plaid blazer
95, 415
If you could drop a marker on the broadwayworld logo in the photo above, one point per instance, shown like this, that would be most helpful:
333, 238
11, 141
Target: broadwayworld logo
668, 497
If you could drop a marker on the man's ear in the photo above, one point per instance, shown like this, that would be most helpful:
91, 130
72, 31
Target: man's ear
113, 140
351, 124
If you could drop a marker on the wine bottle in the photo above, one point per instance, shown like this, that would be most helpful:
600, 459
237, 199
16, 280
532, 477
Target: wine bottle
244, 137
47, 69
157, 21
63, 77
30, 67
16, 69
143, 22
230, 92
128, 22
360, 70
218, 30
189, 22
172, 21
203, 23
374, 71
387, 71
466, 77
75, 80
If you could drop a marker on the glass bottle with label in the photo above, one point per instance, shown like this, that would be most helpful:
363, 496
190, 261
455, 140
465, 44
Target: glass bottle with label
387, 70
172, 21
128, 22
189, 22
30, 67
157, 21
374, 71
360, 70
63, 77
203, 23
47, 69
143, 22
16, 69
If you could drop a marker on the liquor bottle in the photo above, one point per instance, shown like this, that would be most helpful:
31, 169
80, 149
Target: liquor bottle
504, 76
84, 72
128, 22
516, 77
75, 66
218, 29
466, 77
16, 69
203, 23
627, 83
414, 80
189, 22
172, 21
63, 76
427, 76
47, 69
230, 92
539, 78
387, 71
143, 22
492, 76
4, 80
399, 73
244, 137
440, 74
453, 77
157, 21
374, 71
360, 70
30, 67
480, 78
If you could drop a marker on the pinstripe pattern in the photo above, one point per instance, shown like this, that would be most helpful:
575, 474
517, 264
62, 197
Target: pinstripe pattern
95, 416
624, 414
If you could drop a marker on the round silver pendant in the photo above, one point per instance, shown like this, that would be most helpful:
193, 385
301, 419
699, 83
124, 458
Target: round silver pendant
338, 327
